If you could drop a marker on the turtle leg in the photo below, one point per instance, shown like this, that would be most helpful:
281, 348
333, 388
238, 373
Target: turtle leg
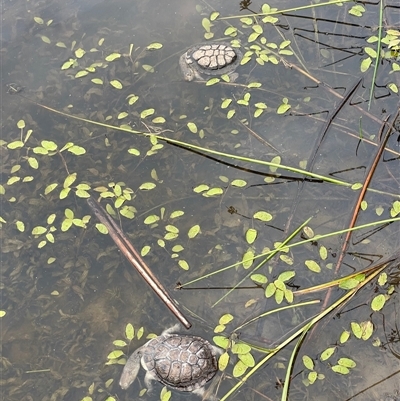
176, 327
150, 376
131, 369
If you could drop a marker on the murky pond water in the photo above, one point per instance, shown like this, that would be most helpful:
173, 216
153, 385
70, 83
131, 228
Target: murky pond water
202, 177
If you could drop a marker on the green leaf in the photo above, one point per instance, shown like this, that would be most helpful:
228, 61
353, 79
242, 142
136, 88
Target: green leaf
344, 337
192, 127
15, 145
183, 264
115, 354
33, 163
151, 219
340, 369
113, 56
102, 228
247, 359
221, 341
313, 266
240, 348
248, 259
77, 150
262, 215
223, 361
286, 275
239, 369
259, 278
66, 225
356, 329
177, 213
20, 226
147, 113
378, 302
49, 145
308, 362
81, 74
212, 81
39, 230
70, 180
367, 329
194, 231
177, 248
129, 331
239, 183
270, 290
225, 319
251, 235
346, 362
327, 353
365, 64
116, 84
154, 46
147, 186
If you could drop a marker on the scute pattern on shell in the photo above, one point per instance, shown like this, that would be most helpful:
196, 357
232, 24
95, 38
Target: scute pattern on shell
181, 362
209, 59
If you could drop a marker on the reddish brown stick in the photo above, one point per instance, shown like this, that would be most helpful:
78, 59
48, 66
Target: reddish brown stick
125, 246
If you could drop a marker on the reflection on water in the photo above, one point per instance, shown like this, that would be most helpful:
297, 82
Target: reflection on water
67, 292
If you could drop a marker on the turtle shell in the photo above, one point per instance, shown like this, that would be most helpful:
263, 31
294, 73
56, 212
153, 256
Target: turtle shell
210, 59
184, 363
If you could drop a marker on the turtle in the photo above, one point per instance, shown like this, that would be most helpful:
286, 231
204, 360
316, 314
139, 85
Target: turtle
182, 362
210, 59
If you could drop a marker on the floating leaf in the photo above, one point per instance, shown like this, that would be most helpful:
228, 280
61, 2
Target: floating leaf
81, 74
248, 259
327, 353
129, 331
259, 278
116, 84
77, 150
356, 329
20, 226
183, 264
115, 354
102, 228
367, 329
308, 362
15, 145
70, 180
154, 46
194, 231
263, 216
346, 362
241, 348
239, 369
146, 113
378, 302
344, 336
221, 341
147, 186
247, 359
113, 56
38, 230
223, 361
177, 213
192, 127
201, 188
251, 235
225, 319
79, 53
313, 266
239, 183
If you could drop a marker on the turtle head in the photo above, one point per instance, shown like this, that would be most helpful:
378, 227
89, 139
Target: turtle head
131, 370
